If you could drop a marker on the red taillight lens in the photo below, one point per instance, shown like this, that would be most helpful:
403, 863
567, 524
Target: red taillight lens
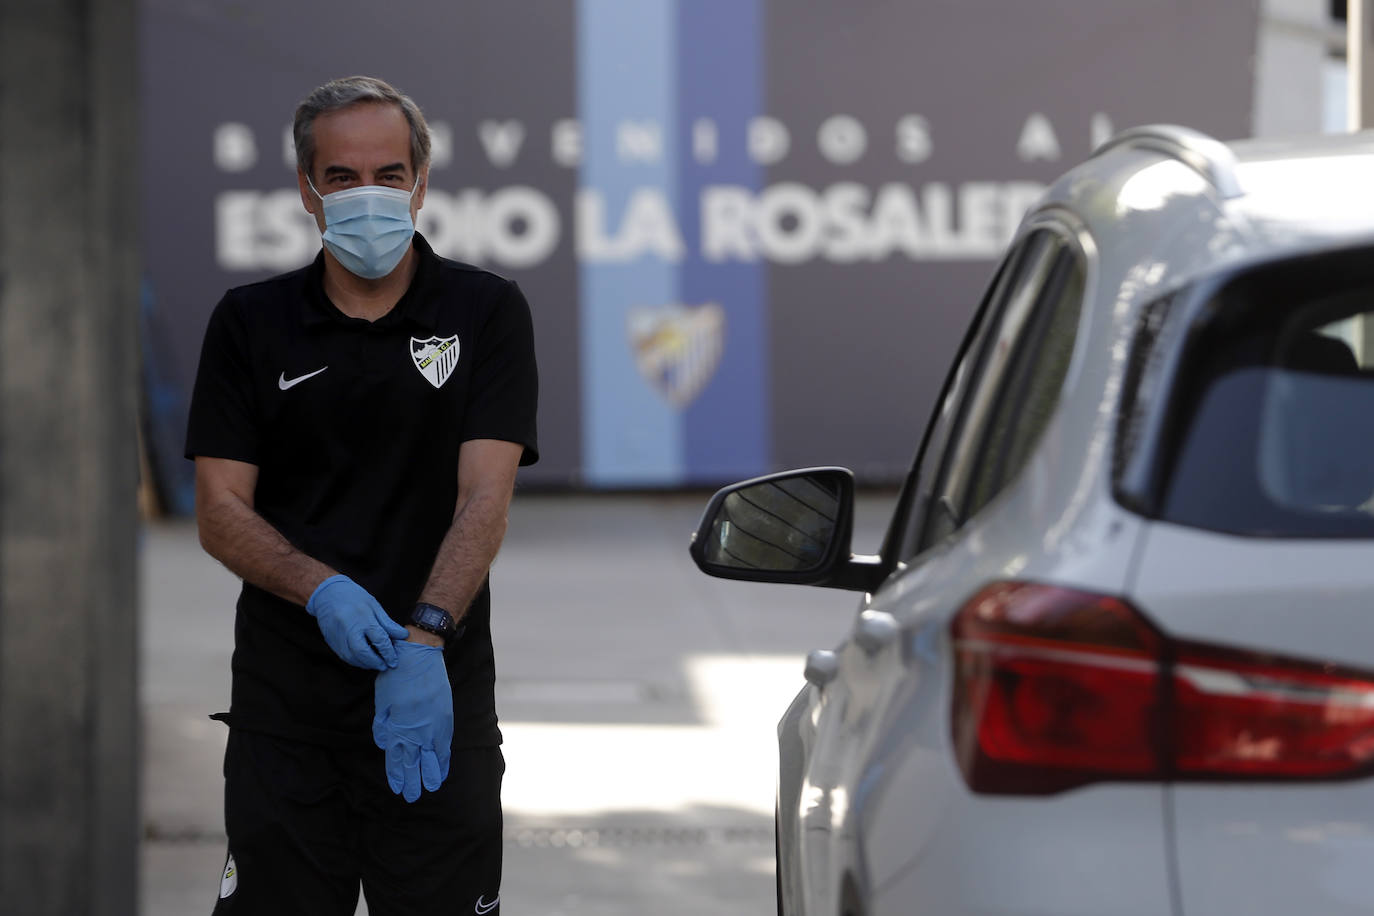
1055, 688
1240, 714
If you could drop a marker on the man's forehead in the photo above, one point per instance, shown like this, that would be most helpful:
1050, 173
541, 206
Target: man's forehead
372, 132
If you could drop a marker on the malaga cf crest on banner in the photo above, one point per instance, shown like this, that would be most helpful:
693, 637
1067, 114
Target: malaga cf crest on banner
678, 347
435, 357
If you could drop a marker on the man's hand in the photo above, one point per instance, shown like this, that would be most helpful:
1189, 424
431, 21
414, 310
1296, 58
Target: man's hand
414, 720
354, 624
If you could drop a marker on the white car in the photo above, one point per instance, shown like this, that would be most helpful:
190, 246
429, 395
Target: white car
1117, 653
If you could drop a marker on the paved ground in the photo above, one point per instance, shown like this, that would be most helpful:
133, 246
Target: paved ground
637, 696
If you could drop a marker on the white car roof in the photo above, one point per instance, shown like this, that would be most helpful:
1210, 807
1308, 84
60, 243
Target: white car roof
1235, 202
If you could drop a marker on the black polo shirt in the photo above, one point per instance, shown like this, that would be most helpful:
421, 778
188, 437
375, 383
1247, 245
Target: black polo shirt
355, 428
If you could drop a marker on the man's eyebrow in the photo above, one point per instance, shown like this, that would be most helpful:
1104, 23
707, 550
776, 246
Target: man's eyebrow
393, 167
338, 170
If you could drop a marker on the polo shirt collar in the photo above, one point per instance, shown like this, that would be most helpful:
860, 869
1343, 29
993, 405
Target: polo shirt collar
417, 306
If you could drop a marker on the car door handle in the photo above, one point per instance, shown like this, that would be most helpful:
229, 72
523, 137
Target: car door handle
821, 667
874, 630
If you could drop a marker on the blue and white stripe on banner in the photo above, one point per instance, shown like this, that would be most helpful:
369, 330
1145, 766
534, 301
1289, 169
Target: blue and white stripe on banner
625, 83
674, 347
727, 429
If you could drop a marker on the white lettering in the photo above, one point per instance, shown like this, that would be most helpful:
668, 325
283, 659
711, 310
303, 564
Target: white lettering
234, 230
1017, 199
440, 144
986, 218
939, 237
522, 226
913, 139
896, 224
452, 224
234, 147
791, 223
567, 142
650, 226
263, 230
647, 227
639, 141
788, 223
705, 142
768, 140
981, 218
1101, 130
844, 206
1037, 140
502, 141
726, 223
842, 139
516, 226
590, 220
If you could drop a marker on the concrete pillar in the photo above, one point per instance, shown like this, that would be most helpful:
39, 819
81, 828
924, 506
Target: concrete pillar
68, 459
1295, 37
1359, 58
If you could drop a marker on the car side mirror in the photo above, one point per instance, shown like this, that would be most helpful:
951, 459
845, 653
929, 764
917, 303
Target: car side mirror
793, 527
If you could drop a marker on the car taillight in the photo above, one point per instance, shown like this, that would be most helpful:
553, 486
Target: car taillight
1243, 714
1056, 688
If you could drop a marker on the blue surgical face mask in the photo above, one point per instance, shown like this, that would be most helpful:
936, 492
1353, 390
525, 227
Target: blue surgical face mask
367, 228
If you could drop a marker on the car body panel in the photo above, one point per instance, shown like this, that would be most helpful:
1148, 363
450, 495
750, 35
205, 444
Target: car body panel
1275, 848
1006, 856
1303, 598
1268, 847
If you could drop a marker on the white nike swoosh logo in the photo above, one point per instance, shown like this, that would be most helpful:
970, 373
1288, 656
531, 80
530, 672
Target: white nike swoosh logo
284, 383
483, 907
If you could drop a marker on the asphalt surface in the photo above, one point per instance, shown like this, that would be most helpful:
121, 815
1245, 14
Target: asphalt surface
638, 698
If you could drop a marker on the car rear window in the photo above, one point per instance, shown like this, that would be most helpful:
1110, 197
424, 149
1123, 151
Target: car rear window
1275, 408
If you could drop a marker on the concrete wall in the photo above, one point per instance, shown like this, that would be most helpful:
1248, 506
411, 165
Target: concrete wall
68, 457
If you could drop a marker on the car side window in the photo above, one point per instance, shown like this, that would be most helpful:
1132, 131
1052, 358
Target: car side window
1020, 262
1031, 389
1025, 343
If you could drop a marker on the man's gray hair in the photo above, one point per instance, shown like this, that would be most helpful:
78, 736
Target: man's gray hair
354, 90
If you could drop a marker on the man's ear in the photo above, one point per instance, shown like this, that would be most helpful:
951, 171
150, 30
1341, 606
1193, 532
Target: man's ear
419, 200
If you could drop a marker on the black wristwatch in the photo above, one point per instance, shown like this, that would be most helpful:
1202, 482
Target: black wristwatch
436, 620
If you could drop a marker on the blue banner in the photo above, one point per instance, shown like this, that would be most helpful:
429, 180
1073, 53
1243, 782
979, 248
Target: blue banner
674, 361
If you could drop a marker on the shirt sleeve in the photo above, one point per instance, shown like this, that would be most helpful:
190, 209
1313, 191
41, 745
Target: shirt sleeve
505, 382
223, 418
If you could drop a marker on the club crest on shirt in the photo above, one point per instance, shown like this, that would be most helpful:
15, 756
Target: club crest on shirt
435, 357
677, 347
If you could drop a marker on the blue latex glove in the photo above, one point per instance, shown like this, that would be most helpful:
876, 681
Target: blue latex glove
354, 624
414, 720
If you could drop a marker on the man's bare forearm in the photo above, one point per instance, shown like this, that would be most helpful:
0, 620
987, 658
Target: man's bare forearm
236, 535
467, 552
486, 481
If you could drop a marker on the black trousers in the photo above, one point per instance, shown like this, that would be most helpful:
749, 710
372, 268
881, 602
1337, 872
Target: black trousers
309, 825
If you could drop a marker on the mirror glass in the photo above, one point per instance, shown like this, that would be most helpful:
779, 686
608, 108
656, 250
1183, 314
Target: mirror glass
783, 525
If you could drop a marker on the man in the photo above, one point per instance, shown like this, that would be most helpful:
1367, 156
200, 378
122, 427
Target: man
356, 427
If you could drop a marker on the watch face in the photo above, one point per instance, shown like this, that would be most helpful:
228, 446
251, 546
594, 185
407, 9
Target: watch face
429, 617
